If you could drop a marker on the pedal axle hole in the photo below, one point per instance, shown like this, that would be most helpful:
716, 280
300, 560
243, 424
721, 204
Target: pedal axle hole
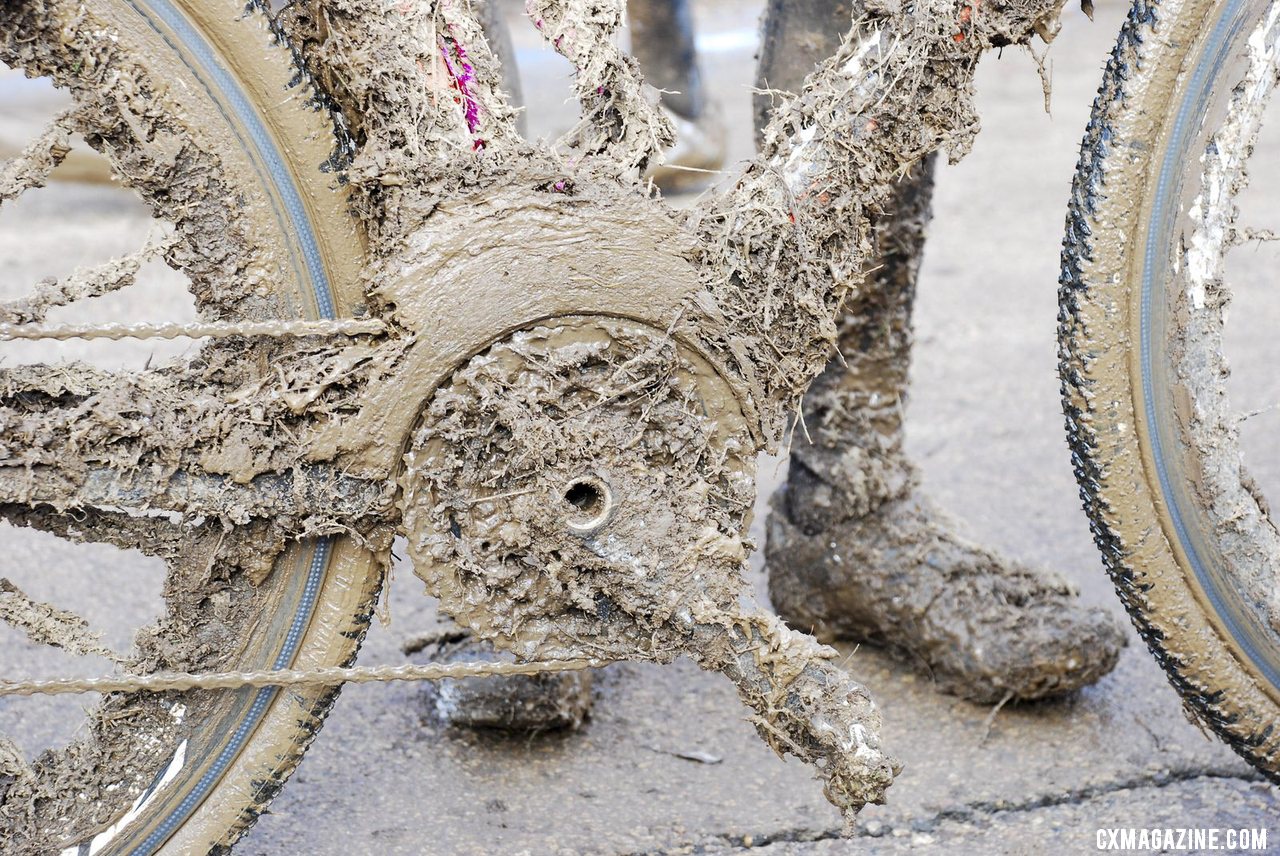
591, 502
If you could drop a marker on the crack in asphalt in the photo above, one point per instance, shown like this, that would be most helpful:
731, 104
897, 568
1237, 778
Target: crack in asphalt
966, 812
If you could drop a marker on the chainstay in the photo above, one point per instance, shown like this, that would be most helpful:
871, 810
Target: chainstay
209, 330
328, 676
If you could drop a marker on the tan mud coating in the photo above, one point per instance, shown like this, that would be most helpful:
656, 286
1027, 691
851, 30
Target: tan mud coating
32, 166
519, 252
985, 627
536, 540
622, 125
749, 286
182, 159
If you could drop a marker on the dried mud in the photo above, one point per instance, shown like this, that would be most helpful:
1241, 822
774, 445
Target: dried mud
65, 427
534, 539
543, 418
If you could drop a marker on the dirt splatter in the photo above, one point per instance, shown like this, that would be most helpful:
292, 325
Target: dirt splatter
421, 96
491, 476
1234, 506
77, 437
527, 526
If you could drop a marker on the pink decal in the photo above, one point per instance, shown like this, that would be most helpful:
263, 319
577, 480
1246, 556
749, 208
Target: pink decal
463, 74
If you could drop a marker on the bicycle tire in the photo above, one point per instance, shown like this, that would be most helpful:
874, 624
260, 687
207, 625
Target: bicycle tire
1126, 346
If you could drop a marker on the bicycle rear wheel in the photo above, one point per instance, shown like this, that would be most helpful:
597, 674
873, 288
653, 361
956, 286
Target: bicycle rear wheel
201, 111
1185, 533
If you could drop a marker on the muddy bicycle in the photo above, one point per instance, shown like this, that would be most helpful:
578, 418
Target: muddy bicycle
415, 322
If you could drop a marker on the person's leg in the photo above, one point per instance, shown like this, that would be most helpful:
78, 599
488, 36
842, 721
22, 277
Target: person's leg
854, 550
663, 42
796, 35
532, 703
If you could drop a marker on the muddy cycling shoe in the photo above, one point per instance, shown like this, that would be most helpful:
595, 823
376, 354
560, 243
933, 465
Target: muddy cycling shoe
543, 702
698, 152
988, 628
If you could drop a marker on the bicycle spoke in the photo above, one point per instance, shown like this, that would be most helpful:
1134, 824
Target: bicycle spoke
82, 284
45, 624
41, 157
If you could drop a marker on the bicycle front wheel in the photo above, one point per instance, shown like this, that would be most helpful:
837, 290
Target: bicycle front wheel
1184, 530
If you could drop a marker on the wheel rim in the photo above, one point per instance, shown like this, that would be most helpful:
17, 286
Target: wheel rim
187, 777
1199, 104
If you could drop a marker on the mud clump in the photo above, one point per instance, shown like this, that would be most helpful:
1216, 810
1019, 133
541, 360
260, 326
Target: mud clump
569, 488
583, 489
419, 94
783, 248
989, 629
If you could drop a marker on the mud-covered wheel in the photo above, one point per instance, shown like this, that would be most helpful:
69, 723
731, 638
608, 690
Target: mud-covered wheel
201, 112
1186, 535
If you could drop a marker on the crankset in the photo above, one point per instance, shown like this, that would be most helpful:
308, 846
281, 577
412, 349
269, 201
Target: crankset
580, 483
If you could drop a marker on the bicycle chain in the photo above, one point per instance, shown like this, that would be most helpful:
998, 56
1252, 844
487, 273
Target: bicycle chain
198, 330
325, 676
